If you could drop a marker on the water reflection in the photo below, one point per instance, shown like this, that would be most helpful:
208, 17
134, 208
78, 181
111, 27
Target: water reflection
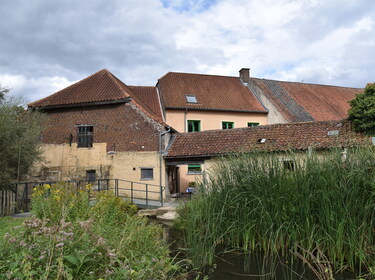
233, 265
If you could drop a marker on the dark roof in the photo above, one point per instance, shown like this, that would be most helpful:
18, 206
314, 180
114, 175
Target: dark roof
102, 86
212, 93
278, 137
149, 96
300, 102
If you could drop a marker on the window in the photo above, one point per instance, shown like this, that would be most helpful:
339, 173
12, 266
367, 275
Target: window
251, 124
191, 98
194, 126
228, 125
85, 136
90, 175
147, 173
194, 169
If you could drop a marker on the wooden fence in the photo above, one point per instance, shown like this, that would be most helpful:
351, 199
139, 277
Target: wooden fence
8, 202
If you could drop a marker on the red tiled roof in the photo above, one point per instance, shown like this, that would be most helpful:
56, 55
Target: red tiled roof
101, 86
299, 102
212, 93
278, 137
149, 96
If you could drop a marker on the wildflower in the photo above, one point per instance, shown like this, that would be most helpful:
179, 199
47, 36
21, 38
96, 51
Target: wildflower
64, 224
110, 253
109, 271
57, 198
101, 241
59, 245
47, 186
66, 233
12, 240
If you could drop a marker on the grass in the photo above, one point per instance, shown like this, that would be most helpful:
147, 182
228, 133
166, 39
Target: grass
7, 223
254, 204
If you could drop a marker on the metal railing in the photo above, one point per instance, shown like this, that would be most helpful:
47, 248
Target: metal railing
143, 194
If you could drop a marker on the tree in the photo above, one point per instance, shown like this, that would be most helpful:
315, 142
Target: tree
20, 132
362, 111
3, 91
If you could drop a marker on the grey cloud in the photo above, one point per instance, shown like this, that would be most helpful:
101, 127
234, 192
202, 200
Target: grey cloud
136, 40
317, 21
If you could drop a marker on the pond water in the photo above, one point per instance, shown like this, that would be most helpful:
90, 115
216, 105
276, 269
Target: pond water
234, 265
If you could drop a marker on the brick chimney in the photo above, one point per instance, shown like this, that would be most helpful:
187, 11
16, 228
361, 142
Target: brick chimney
245, 75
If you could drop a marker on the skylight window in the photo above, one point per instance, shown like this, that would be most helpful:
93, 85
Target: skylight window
190, 98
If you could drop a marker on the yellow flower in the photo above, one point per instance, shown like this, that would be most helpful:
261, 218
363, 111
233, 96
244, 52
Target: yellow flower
47, 186
88, 187
56, 197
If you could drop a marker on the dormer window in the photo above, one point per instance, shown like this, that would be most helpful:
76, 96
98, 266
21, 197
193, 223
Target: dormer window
190, 98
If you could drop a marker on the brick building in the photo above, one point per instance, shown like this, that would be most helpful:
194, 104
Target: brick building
100, 128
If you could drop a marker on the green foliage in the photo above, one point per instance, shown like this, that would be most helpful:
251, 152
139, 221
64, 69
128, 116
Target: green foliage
254, 204
60, 201
6, 223
3, 92
20, 132
362, 111
71, 238
110, 209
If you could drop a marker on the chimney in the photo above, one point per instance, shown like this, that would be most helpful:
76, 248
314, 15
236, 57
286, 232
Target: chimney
245, 75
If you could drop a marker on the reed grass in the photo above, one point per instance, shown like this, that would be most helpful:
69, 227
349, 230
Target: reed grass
254, 204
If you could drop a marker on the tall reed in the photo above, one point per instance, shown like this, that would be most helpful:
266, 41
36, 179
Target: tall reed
255, 204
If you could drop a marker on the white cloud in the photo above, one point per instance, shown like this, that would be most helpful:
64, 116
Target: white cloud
48, 44
36, 87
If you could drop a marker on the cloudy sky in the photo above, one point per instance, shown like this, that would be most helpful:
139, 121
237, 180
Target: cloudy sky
46, 45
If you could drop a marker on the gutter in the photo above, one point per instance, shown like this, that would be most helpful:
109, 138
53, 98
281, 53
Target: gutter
216, 110
160, 154
86, 104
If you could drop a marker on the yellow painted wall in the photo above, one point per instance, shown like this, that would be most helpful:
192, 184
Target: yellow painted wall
64, 162
211, 119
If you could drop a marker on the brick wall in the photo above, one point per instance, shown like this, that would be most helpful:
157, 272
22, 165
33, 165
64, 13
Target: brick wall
122, 126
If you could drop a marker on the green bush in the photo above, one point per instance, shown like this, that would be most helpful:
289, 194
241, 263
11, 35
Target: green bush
110, 210
61, 201
362, 111
70, 238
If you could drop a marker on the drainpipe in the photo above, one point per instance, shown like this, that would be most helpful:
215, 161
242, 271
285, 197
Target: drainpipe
185, 113
160, 153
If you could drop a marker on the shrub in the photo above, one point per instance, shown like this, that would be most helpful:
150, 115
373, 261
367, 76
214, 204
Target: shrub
108, 209
59, 201
70, 238
362, 111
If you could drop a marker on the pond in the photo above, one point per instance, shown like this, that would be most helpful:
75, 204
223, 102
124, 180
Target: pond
233, 265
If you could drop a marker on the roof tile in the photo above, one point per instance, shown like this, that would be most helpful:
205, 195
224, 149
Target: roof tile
149, 97
101, 86
278, 137
299, 102
212, 92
